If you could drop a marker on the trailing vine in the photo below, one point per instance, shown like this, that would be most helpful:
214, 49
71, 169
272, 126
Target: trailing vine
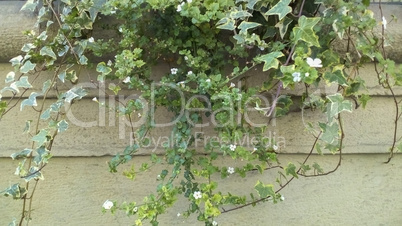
213, 49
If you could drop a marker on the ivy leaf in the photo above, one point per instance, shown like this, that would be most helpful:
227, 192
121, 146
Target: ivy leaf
226, 24
329, 132
95, 8
46, 86
41, 137
22, 154
337, 105
244, 26
251, 3
74, 93
28, 66
270, 60
30, 5
62, 126
318, 168
304, 31
14, 191
47, 51
27, 126
364, 99
16, 60
43, 156
27, 47
336, 77
23, 83
366, 3
45, 115
10, 77
33, 173
291, 170
62, 76
281, 9
264, 190
105, 70
239, 14
283, 26
31, 101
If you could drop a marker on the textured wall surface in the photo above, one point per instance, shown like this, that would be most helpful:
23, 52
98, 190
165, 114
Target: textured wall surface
364, 191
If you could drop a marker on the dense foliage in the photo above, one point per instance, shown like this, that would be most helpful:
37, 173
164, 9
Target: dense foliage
213, 48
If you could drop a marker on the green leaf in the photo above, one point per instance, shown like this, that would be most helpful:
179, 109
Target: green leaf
27, 126
102, 68
41, 137
264, 190
283, 26
33, 173
336, 77
337, 105
16, 60
364, 99
28, 66
226, 24
47, 51
251, 3
23, 83
75, 93
46, 86
239, 14
31, 101
330, 133
291, 170
45, 115
281, 9
318, 168
30, 5
14, 191
244, 26
27, 47
22, 154
270, 60
366, 3
62, 126
83, 60
43, 156
304, 31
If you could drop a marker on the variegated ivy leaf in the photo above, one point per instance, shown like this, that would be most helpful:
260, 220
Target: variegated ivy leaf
62, 126
14, 191
41, 137
23, 83
22, 154
270, 60
330, 132
283, 26
34, 173
244, 26
337, 105
281, 9
10, 77
304, 31
27, 47
226, 24
74, 93
31, 101
28, 66
16, 60
47, 51
30, 5
43, 155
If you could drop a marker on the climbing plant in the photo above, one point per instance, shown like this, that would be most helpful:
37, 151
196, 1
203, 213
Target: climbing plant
213, 49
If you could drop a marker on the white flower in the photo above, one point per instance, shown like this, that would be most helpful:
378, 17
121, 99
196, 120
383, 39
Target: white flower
173, 71
91, 39
230, 170
189, 1
139, 115
384, 22
127, 79
314, 62
262, 48
189, 73
232, 147
107, 204
282, 198
275, 147
109, 63
306, 74
178, 214
197, 195
214, 223
135, 209
255, 149
232, 85
113, 12
296, 77
208, 80
120, 29
179, 7
185, 58
158, 177
95, 99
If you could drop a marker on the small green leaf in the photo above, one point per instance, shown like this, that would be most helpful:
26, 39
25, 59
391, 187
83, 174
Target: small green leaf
291, 170
62, 126
23, 83
244, 26
33, 173
41, 137
16, 60
304, 31
330, 133
45, 115
318, 168
31, 101
226, 24
83, 60
10, 77
28, 66
337, 105
102, 68
27, 126
264, 190
283, 26
270, 60
47, 51
27, 47
30, 5
22, 154
46, 86
364, 99
281, 9
14, 191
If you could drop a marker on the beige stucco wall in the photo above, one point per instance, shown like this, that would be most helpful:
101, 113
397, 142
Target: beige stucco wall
364, 191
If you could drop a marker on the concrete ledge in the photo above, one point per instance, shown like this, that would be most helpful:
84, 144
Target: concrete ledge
74, 190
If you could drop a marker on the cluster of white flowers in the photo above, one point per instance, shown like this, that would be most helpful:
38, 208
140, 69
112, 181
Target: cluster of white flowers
173, 71
296, 76
232, 147
230, 170
107, 204
197, 195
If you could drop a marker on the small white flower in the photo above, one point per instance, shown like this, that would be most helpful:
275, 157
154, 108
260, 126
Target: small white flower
185, 58
314, 62
178, 214
296, 77
230, 170
282, 198
120, 29
275, 147
232, 147
384, 22
214, 223
197, 195
179, 7
91, 39
232, 85
255, 149
306, 74
109, 63
95, 99
135, 209
113, 12
189, 1
208, 80
158, 177
127, 79
107, 204
189, 73
139, 115
262, 48
173, 71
